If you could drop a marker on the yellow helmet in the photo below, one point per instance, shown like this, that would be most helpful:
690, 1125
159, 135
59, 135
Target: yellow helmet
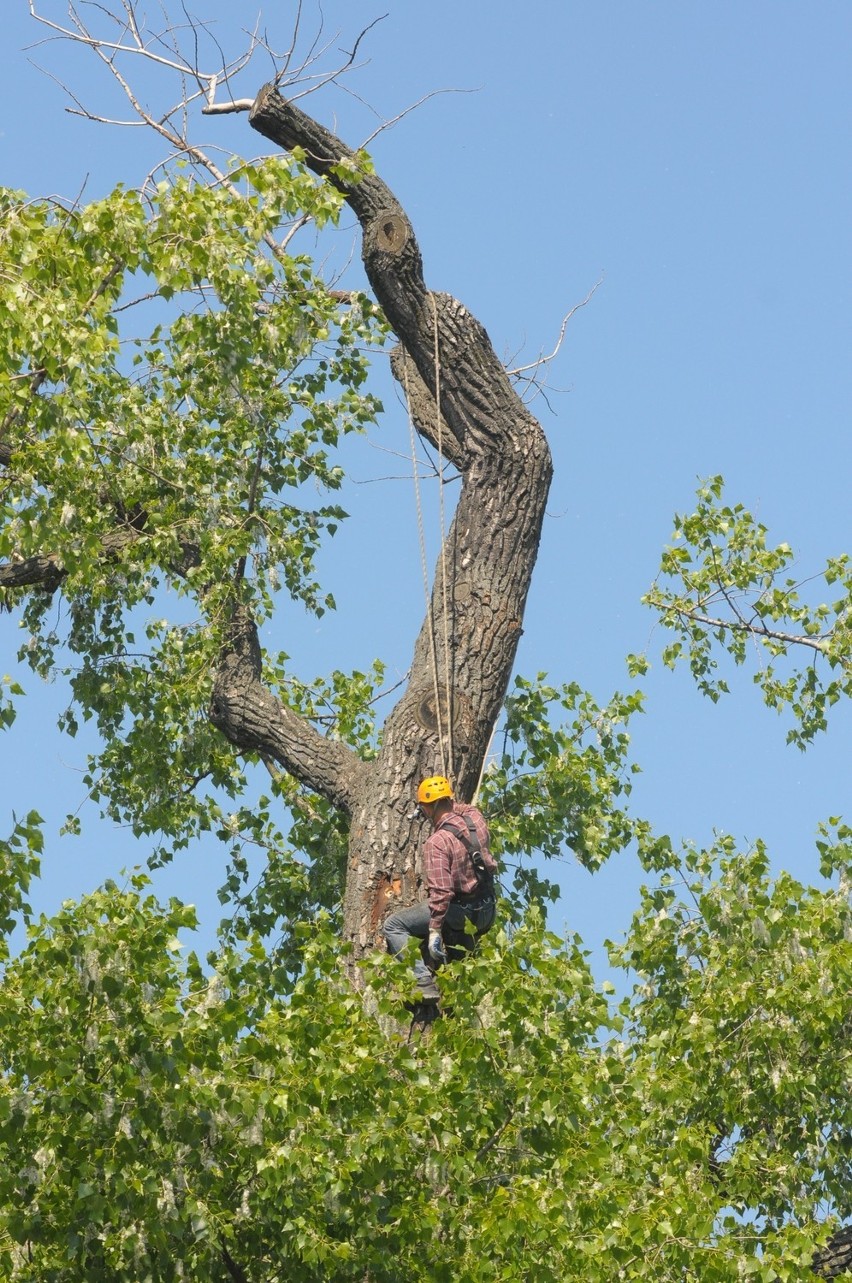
434, 787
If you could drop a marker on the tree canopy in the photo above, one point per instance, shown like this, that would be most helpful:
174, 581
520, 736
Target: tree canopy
177, 378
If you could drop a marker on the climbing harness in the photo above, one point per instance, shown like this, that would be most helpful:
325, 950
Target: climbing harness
470, 841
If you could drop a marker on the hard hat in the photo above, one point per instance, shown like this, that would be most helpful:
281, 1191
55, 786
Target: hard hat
434, 787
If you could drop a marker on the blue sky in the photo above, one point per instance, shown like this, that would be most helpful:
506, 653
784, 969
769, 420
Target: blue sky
694, 160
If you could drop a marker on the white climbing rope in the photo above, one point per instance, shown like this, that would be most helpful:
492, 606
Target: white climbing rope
442, 524
425, 569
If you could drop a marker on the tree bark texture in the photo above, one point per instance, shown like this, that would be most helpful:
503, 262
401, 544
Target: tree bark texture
836, 1257
461, 400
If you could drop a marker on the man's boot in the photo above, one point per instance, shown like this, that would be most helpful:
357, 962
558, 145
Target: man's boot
429, 991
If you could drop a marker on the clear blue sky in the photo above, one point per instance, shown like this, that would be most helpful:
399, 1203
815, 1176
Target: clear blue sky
693, 156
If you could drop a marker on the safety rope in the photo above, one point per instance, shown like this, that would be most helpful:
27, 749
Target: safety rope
424, 568
447, 686
475, 799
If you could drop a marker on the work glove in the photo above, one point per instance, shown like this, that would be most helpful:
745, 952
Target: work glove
437, 952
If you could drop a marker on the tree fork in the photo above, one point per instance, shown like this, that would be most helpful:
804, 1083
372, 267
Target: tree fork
459, 394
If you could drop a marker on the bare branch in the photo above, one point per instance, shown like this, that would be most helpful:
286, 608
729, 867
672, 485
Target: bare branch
394, 120
324, 78
207, 82
543, 360
225, 108
369, 27
82, 36
297, 23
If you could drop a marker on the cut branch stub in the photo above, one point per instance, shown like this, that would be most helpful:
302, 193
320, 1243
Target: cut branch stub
391, 232
434, 714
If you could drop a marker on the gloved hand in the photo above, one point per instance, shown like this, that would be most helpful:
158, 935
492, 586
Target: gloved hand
437, 952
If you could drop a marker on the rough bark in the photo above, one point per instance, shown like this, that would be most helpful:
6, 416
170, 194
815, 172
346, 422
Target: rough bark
460, 396
836, 1257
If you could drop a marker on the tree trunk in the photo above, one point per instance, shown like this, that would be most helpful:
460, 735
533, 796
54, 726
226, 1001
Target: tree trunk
461, 399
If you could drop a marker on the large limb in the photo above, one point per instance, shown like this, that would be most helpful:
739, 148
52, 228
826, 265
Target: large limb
469, 638
478, 402
253, 720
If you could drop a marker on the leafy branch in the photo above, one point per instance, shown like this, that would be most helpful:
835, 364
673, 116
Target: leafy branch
722, 585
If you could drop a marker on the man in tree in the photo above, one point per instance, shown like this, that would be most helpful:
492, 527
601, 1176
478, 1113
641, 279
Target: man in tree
459, 872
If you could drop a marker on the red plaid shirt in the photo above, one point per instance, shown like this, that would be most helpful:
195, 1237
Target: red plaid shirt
447, 865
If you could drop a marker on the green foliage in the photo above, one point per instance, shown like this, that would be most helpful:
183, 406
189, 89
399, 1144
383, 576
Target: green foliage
341, 704
558, 784
721, 585
835, 850
7, 707
291, 878
740, 1021
303, 872
154, 1116
174, 385
19, 864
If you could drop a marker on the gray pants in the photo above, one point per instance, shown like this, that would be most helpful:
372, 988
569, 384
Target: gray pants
400, 927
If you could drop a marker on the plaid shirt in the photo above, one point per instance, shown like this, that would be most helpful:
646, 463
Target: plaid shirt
447, 865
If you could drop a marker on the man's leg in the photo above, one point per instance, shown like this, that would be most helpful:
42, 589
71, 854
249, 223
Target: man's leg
458, 933
398, 929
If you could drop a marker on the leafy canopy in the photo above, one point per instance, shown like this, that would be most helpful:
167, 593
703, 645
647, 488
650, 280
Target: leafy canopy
156, 1116
174, 385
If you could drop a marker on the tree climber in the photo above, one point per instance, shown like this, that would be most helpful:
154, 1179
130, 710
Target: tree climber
459, 873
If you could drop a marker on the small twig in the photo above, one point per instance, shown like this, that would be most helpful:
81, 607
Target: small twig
369, 27
543, 360
388, 124
313, 54
326, 78
297, 22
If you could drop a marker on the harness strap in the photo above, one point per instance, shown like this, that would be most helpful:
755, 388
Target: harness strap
473, 846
